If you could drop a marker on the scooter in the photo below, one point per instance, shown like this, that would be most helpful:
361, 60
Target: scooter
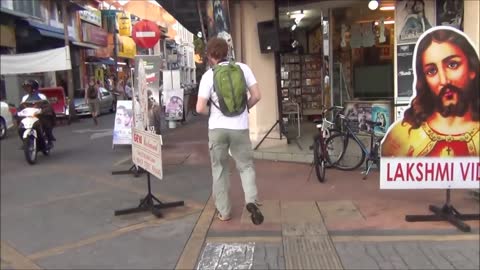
28, 130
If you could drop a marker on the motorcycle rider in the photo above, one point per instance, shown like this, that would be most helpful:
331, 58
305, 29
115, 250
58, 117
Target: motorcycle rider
47, 117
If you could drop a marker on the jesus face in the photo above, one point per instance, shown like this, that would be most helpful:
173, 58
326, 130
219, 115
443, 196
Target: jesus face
448, 76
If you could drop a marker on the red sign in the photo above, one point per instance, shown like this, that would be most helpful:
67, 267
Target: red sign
145, 34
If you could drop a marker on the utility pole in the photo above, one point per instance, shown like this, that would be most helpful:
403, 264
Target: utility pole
69, 71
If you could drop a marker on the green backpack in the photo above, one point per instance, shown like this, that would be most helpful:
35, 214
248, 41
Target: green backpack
231, 88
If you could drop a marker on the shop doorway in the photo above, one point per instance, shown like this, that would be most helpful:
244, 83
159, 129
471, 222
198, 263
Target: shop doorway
336, 53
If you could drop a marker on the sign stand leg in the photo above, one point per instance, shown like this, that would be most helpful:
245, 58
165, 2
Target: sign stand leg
135, 170
149, 203
446, 213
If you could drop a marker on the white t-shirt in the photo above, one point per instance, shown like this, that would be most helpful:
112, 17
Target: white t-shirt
217, 119
40, 95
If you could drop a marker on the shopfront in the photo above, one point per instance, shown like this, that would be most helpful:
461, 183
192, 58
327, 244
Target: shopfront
339, 53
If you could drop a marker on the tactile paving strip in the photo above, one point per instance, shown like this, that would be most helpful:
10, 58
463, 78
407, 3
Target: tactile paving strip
314, 252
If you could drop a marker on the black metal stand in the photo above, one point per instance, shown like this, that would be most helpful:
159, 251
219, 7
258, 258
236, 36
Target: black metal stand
282, 132
446, 213
148, 204
135, 170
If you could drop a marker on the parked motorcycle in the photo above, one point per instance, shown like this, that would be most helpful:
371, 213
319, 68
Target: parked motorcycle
29, 129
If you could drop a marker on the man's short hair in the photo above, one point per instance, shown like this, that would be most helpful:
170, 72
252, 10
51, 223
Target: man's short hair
217, 48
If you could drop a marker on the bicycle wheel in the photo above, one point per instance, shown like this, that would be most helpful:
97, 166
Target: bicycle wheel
344, 154
319, 161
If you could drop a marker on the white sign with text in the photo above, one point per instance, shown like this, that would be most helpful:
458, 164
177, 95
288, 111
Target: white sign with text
147, 151
429, 173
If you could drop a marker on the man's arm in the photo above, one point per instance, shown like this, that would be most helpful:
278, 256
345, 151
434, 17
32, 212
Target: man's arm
255, 95
202, 107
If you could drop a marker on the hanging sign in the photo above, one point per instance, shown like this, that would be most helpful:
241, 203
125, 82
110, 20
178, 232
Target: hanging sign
146, 34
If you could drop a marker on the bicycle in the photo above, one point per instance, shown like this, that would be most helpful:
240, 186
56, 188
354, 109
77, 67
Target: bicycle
348, 142
319, 147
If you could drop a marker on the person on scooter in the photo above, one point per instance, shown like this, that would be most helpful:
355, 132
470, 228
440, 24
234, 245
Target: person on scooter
47, 117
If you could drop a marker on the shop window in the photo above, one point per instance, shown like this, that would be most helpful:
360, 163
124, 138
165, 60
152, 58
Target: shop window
31, 7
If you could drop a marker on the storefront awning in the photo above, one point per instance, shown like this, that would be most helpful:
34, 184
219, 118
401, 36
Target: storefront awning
186, 13
126, 47
86, 45
42, 61
48, 31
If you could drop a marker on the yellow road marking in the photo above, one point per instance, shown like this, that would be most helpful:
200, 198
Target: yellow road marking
192, 249
388, 238
152, 221
123, 160
15, 259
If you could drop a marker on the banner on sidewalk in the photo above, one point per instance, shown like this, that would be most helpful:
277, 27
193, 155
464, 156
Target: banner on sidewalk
122, 130
436, 143
146, 93
172, 95
147, 152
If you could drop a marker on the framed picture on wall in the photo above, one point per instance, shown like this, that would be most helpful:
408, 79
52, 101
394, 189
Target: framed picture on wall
450, 13
405, 70
385, 52
412, 18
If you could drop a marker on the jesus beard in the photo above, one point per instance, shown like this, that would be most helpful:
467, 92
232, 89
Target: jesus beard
464, 99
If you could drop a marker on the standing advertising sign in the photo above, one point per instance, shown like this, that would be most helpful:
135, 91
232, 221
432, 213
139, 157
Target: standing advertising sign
173, 95
122, 131
146, 96
146, 145
436, 143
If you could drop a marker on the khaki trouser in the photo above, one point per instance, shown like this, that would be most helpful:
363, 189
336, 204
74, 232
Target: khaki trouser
94, 105
238, 141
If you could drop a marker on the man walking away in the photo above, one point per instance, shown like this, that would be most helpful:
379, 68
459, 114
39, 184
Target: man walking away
92, 97
225, 86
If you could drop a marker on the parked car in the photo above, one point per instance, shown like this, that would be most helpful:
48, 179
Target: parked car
6, 118
107, 104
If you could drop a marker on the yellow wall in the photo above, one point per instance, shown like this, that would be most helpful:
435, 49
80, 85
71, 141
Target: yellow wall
471, 24
245, 16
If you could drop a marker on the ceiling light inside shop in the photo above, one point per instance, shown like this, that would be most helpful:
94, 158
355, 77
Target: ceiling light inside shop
294, 26
297, 15
386, 22
387, 8
373, 4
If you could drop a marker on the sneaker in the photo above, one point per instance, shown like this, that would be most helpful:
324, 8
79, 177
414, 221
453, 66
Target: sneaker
256, 215
223, 218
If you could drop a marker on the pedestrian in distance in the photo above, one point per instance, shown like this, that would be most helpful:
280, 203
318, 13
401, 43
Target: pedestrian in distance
225, 87
92, 98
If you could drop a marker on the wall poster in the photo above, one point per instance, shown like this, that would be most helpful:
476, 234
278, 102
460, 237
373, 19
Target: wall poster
450, 13
405, 70
412, 18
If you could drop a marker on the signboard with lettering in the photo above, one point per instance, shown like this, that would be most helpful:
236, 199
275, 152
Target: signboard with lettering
435, 144
91, 16
147, 152
147, 141
94, 34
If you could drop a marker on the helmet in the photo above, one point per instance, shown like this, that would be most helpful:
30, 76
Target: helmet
33, 83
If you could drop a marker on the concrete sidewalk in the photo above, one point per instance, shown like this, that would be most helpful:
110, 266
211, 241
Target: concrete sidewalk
344, 223
58, 214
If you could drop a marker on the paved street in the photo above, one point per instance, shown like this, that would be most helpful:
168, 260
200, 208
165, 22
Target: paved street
58, 214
